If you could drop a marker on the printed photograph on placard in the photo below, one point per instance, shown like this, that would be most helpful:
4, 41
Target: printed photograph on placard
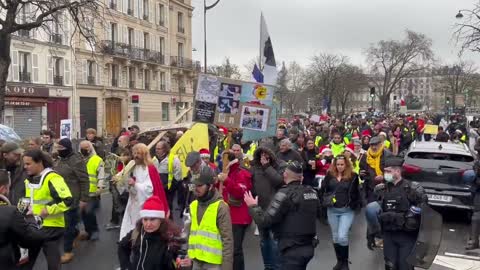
231, 91
254, 117
257, 92
224, 105
208, 89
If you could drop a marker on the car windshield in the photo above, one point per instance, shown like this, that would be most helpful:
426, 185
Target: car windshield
441, 156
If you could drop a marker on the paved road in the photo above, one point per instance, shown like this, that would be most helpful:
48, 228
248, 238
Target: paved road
102, 254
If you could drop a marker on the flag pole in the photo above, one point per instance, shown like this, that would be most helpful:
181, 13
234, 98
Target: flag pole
260, 44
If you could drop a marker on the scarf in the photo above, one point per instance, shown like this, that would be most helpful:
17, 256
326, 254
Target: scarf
374, 160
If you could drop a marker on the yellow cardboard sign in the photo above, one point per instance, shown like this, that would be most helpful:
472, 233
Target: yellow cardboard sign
431, 129
194, 139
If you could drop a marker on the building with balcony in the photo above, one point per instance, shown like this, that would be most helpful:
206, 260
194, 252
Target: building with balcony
140, 71
39, 90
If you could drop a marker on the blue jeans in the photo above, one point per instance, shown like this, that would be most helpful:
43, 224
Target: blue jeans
71, 231
89, 216
340, 220
372, 211
269, 249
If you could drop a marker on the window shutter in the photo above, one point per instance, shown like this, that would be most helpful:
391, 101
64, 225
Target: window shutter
108, 32
84, 71
125, 6
137, 9
151, 11
124, 77
98, 74
35, 67
125, 34
66, 73
15, 67
50, 69
119, 37
140, 10
120, 5
66, 29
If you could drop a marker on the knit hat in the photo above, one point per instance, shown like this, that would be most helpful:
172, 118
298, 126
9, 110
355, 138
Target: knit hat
153, 208
366, 133
224, 130
325, 149
350, 148
65, 142
192, 158
204, 153
382, 134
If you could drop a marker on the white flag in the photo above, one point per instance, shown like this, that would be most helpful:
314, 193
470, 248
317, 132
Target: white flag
267, 56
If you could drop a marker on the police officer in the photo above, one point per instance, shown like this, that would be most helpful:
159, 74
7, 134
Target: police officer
292, 205
401, 203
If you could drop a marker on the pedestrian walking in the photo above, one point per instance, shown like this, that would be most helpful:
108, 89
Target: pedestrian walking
96, 175
72, 168
148, 245
401, 202
170, 169
340, 194
97, 142
49, 196
47, 141
292, 205
236, 182
143, 183
119, 192
267, 179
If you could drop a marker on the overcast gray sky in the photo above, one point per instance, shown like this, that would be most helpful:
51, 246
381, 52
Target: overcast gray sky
302, 28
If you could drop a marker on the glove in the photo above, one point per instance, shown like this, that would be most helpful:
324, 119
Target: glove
379, 188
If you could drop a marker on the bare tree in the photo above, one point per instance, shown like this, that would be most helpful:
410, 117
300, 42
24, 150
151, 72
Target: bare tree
26, 15
296, 85
322, 77
226, 70
352, 81
458, 80
467, 32
391, 61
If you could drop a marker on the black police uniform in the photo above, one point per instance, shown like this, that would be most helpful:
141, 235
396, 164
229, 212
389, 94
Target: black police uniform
399, 224
292, 216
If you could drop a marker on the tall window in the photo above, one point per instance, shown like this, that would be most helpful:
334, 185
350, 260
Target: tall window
162, 45
165, 111
130, 7
161, 15
114, 75
113, 28
146, 41
181, 28
136, 114
147, 79
131, 75
131, 37
145, 10
90, 72
163, 86
24, 66
180, 50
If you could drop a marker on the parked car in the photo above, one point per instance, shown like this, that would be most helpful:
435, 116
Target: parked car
442, 169
8, 134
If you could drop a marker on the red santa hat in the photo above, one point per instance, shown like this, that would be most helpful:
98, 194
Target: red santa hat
366, 133
224, 130
204, 153
350, 148
355, 135
153, 208
325, 149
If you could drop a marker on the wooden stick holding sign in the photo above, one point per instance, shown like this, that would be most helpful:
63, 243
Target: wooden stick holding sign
120, 177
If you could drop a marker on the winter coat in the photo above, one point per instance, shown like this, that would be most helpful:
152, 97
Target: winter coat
369, 178
73, 169
147, 252
224, 225
17, 177
239, 181
99, 146
309, 173
15, 231
267, 180
354, 196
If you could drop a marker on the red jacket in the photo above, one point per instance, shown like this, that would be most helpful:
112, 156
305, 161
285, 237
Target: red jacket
322, 167
237, 183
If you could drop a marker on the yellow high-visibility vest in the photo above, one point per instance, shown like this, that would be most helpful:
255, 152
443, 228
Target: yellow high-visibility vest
92, 168
40, 198
387, 144
171, 160
205, 242
318, 139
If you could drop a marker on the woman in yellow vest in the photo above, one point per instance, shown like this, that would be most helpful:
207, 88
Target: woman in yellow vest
96, 175
210, 244
49, 197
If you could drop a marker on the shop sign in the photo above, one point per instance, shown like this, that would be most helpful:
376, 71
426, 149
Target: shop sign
26, 91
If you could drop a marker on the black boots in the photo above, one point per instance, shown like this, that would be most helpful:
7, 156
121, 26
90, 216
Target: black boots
473, 242
342, 257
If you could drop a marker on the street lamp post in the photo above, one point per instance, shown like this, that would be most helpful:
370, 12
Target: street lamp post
205, 8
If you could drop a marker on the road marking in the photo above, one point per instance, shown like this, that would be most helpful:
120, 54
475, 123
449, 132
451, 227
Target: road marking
458, 261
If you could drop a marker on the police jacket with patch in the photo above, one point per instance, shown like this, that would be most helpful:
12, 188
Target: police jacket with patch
15, 231
396, 202
291, 214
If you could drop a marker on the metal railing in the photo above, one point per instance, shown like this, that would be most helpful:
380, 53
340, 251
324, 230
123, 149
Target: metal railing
182, 62
25, 76
56, 38
91, 80
58, 80
133, 53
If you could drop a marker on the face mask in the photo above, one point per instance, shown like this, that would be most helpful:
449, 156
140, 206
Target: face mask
84, 152
388, 177
64, 153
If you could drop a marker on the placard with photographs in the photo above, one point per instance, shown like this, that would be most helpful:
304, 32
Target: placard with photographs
208, 88
228, 105
204, 112
254, 117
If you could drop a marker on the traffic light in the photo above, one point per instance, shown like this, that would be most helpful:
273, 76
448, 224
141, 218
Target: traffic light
372, 91
448, 100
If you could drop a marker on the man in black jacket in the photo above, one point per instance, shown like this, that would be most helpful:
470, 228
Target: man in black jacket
267, 178
73, 169
287, 154
11, 161
15, 230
